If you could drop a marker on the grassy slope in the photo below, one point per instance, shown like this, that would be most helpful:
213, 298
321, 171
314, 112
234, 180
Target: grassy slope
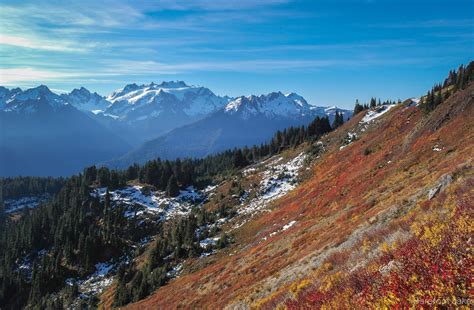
355, 215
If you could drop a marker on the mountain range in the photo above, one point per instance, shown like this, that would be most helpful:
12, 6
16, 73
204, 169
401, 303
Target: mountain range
42, 134
137, 123
244, 121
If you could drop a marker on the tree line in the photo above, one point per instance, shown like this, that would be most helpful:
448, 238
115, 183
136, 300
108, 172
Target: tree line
172, 175
17, 187
373, 103
456, 80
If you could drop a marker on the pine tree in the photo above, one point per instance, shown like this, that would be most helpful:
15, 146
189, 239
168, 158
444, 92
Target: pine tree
373, 102
358, 107
103, 175
338, 120
172, 189
239, 159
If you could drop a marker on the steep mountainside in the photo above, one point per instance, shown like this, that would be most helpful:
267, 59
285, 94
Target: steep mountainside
245, 121
84, 100
42, 134
381, 219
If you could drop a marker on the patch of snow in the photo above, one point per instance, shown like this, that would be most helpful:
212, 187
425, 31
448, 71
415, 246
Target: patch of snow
139, 201
436, 148
175, 272
208, 242
350, 137
12, 205
276, 182
414, 102
377, 112
206, 254
285, 227
98, 281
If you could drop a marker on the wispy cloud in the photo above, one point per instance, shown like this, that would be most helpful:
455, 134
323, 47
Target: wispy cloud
211, 5
83, 14
10, 76
123, 69
40, 44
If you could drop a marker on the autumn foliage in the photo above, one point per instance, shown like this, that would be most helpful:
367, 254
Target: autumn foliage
365, 234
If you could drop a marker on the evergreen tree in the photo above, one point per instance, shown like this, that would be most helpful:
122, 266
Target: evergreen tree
358, 107
103, 176
172, 189
90, 175
373, 103
239, 159
338, 120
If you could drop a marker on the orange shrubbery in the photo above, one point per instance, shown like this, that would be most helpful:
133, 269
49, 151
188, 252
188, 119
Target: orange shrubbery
434, 267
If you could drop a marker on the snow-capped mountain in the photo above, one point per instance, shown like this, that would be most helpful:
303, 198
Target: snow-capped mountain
84, 100
142, 112
31, 100
6, 94
243, 121
43, 134
133, 102
275, 104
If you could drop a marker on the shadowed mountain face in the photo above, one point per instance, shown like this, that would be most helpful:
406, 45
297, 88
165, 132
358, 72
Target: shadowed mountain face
41, 134
245, 121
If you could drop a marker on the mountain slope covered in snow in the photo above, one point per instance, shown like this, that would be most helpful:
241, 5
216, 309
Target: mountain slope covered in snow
84, 100
141, 112
245, 121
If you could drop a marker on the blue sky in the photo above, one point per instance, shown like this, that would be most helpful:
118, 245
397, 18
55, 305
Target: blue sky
331, 52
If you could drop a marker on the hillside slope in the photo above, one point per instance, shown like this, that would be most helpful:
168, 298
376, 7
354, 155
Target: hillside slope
381, 219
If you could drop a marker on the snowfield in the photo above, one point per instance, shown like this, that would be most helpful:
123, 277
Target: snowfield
141, 201
12, 205
96, 283
376, 113
277, 180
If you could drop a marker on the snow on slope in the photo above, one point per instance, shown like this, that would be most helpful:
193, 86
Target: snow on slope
12, 205
84, 100
277, 181
376, 113
30, 100
142, 202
